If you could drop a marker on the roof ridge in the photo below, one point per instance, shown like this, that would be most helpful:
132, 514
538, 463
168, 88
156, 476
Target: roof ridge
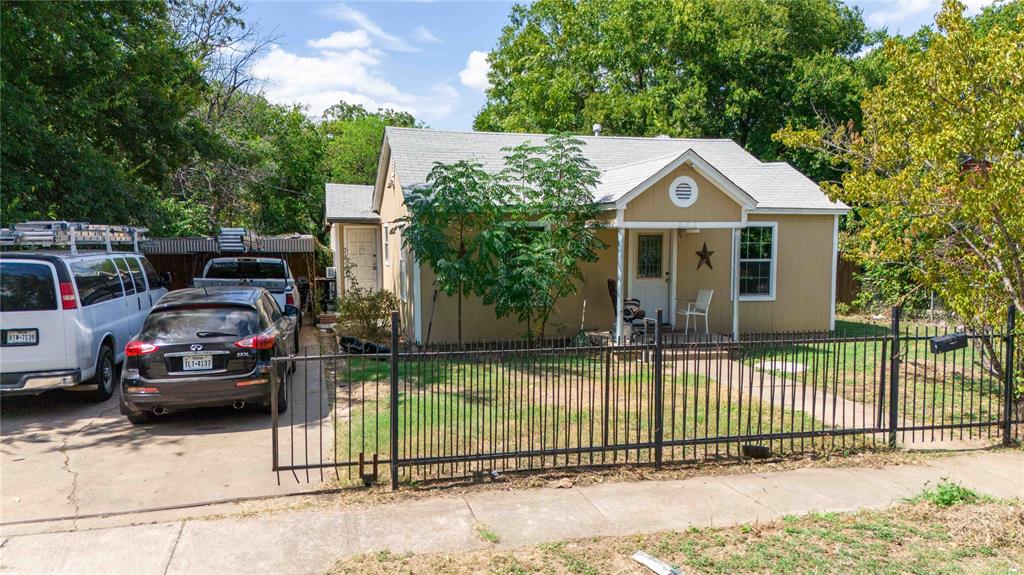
647, 161
546, 135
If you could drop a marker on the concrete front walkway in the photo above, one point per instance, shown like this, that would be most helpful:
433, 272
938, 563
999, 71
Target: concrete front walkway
310, 541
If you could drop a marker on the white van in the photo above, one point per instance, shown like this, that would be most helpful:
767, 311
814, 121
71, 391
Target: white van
65, 318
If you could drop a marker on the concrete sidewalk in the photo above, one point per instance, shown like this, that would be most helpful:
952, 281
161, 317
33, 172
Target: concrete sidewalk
310, 541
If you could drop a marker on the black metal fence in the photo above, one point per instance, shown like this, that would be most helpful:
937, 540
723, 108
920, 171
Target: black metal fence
458, 412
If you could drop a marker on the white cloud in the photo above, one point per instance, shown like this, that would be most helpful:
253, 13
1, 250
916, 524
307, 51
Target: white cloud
342, 40
322, 80
474, 74
362, 21
422, 34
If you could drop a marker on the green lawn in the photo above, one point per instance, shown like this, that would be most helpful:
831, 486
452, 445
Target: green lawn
457, 406
949, 388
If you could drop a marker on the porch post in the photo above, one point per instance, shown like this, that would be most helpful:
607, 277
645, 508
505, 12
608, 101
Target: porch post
673, 265
618, 285
735, 284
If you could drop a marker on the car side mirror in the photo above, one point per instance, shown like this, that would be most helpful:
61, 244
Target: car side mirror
165, 279
291, 311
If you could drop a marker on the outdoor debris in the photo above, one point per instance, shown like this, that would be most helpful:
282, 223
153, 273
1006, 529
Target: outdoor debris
654, 564
563, 483
757, 451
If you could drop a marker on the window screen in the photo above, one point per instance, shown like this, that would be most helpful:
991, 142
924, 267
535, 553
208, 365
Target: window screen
756, 249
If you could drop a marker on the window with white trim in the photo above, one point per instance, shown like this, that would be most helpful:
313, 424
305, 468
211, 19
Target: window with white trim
387, 246
683, 191
758, 260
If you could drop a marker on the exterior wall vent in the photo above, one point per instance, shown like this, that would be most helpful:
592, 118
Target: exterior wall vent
683, 191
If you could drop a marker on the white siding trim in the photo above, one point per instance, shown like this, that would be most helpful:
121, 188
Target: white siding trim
679, 225
775, 263
704, 168
835, 268
417, 311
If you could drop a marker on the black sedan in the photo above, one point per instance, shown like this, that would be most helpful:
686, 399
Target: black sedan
207, 347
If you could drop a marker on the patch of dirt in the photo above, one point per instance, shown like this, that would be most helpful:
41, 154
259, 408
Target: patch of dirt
577, 477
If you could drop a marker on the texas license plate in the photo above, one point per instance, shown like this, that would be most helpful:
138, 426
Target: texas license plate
21, 337
197, 362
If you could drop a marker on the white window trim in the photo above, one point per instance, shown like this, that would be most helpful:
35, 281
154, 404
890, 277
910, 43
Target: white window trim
771, 296
693, 187
403, 277
386, 245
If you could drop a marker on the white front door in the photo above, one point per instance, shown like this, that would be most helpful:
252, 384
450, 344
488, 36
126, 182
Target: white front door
361, 252
649, 272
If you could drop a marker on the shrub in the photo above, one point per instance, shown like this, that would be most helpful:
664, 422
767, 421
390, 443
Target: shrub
365, 313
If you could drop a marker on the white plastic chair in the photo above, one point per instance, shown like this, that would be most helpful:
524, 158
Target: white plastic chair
697, 307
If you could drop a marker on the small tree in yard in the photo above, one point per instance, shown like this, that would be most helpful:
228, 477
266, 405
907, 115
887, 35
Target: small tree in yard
444, 225
547, 228
937, 173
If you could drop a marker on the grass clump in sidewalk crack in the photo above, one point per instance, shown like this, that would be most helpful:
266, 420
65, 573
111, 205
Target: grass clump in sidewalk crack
947, 494
484, 533
983, 536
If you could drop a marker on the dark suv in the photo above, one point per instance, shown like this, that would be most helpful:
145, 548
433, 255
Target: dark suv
207, 347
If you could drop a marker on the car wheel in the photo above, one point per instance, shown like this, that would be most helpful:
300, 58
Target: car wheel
282, 398
142, 418
104, 378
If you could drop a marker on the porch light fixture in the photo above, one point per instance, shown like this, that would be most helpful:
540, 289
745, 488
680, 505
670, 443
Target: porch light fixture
683, 191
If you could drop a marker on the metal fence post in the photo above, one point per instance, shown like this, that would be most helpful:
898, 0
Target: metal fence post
394, 400
659, 399
275, 384
1008, 375
894, 374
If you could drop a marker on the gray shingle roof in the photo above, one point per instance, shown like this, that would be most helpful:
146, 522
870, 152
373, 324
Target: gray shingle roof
624, 162
348, 202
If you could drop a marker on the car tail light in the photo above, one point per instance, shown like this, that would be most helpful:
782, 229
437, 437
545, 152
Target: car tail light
136, 348
67, 296
261, 341
289, 299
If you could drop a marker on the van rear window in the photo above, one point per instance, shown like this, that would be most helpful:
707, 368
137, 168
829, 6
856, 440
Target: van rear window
194, 323
246, 269
26, 287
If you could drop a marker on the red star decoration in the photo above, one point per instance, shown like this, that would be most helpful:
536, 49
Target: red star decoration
705, 257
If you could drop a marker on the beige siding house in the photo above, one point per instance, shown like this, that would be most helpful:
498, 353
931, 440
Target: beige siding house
770, 232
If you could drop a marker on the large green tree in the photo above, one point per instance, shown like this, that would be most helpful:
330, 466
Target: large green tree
739, 69
936, 174
94, 103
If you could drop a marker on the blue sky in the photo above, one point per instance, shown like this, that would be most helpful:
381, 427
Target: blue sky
424, 57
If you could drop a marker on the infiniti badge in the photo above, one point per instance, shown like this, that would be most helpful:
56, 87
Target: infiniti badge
197, 347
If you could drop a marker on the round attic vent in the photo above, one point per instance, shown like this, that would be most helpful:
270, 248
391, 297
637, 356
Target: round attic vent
683, 191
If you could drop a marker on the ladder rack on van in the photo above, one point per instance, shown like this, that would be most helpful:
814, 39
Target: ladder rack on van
71, 234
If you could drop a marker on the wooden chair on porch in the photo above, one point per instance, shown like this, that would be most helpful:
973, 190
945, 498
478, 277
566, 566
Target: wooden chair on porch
697, 307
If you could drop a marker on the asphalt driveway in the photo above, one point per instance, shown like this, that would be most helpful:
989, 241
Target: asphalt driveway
63, 457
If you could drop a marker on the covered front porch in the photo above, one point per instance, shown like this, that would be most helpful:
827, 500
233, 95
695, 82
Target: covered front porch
667, 266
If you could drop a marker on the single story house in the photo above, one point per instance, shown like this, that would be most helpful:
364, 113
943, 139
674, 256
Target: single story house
680, 216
